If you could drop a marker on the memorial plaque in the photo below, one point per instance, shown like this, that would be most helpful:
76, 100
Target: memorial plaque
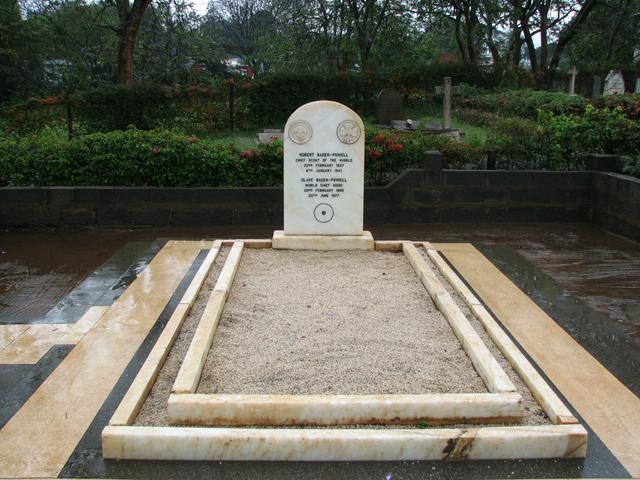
389, 106
323, 170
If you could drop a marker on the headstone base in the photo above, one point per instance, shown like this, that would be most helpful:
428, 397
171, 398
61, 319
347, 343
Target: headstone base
281, 241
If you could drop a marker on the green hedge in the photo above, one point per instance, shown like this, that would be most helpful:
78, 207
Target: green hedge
164, 158
525, 103
558, 141
529, 103
197, 109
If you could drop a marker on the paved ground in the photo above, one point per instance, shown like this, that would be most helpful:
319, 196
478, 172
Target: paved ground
586, 279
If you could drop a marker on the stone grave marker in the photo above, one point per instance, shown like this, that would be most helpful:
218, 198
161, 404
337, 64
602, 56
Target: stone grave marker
614, 83
323, 179
572, 82
597, 86
447, 90
389, 106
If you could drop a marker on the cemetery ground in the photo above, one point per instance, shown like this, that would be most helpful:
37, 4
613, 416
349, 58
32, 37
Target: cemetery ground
583, 278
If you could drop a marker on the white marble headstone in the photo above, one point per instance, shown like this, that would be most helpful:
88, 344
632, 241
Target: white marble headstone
323, 170
614, 83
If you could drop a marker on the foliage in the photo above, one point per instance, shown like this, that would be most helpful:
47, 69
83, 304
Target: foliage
168, 158
131, 157
116, 107
519, 143
525, 103
629, 104
288, 91
630, 165
597, 131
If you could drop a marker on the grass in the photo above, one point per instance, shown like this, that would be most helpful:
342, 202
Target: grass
433, 115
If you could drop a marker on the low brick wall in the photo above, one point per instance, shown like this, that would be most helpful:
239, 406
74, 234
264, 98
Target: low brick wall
415, 197
616, 203
481, 196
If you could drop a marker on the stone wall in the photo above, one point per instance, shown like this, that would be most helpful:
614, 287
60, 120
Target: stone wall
616, 203
415, 197
481, 196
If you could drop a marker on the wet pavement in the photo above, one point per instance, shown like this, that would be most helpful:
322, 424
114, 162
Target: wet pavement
37, 269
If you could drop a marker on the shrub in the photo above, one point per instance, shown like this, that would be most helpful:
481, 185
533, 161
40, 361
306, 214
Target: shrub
167, 158
605, 130
630, 165
519, 143
115, 107
525, 103
629, 104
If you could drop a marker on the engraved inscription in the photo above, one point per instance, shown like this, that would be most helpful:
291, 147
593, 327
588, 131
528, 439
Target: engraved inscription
348, 132
300, 132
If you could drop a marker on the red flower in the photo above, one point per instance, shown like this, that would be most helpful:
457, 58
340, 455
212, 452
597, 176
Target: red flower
375, 154
154, 150
248, 153
378, 138
396, 147
274, 138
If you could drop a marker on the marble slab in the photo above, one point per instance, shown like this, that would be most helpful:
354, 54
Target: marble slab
291, 444
430, 409
323, 170
282, 241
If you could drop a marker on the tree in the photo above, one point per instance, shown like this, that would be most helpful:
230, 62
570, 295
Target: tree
557, 21
369, 19
130, 17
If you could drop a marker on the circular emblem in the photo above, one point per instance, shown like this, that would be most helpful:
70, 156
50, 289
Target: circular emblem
300, 131
348, 132
323, 212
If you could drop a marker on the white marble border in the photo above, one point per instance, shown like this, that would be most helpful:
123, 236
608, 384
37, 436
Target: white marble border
555, 409
495, 378
191, 369
429, 409
122, 440
273, 444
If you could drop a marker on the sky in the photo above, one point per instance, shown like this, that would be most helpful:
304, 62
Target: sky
200, 6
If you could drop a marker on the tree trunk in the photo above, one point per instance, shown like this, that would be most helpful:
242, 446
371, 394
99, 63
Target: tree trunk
125, 59
130, 20
567, 34
517, 46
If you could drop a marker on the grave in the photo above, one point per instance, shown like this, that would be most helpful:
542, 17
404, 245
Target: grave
447, 90
614, 83
597, 86
390, 106
268, 135
572, 81
321, 354
323, 180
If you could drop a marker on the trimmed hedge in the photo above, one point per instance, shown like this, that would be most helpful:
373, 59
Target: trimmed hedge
558, 141
261, 103
525, 103
171, 159
529, 103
